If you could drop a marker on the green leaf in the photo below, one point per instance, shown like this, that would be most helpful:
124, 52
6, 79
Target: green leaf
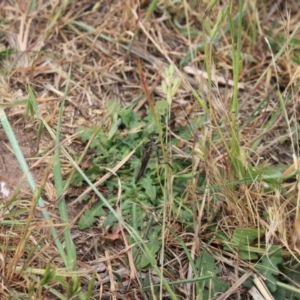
243, 238
149, 121
126, 208
153, 244
85, 133
268, 266
48, 275
206, 265
179, 209
246, 236
113, 107
219, 286
89, 217
100, 142
140, 219
266, 173
118, 277
110, 221
296, 60
291, 270
295, 42
161, 106
147, 284
150, 190
281, 293
129, 118
6, 53
116, 122
93, 173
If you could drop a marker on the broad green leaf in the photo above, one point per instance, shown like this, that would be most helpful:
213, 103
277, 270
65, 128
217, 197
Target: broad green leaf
113, 107
246, 236
153, 244
89, 217
150, 190
161, 106
268, 266
242, 240
207, 266
129, 118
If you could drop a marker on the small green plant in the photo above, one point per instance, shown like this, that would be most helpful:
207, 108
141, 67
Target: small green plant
111, 148
206, 266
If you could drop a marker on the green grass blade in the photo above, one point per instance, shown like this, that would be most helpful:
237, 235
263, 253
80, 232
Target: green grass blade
24, 167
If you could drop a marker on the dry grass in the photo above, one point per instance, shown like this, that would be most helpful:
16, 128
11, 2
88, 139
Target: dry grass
119, 50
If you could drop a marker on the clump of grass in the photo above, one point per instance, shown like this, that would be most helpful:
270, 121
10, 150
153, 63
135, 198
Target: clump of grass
204, 81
